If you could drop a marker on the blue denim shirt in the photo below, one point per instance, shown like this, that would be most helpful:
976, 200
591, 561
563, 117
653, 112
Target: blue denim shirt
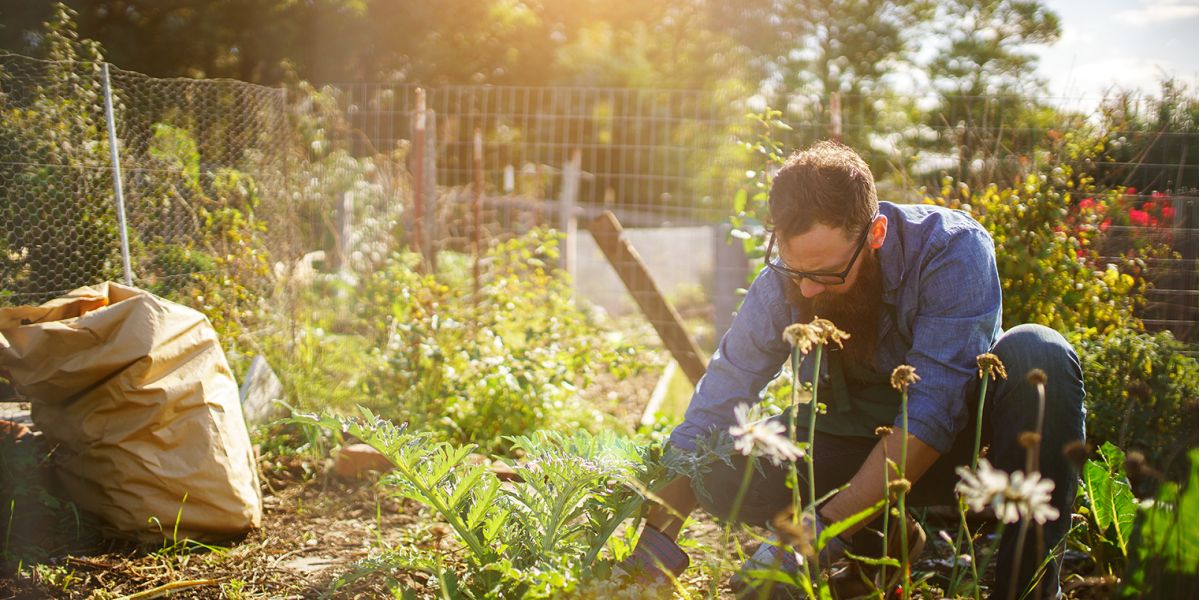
943, 291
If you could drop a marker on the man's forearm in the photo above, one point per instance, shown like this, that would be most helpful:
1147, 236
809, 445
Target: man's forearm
680, 501
869, 484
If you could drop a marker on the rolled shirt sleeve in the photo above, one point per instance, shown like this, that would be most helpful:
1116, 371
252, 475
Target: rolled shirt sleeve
749, 356
957, 317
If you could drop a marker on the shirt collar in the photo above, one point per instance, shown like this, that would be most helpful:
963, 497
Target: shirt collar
891, 254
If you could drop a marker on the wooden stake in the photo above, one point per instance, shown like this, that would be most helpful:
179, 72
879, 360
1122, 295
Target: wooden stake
629, 266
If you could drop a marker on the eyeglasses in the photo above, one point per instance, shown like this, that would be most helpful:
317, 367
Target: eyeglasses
820, 277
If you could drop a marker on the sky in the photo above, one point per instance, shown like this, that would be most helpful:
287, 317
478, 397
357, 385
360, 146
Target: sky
1126, 43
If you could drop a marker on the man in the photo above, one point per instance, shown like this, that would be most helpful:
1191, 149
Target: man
913, 285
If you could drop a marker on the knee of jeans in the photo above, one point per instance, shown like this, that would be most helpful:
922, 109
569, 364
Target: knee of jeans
1029, 346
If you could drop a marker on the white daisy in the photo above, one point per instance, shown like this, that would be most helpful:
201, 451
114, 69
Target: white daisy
767, 437
1012, 497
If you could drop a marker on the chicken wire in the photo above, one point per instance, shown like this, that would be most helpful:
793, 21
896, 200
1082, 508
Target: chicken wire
188, 148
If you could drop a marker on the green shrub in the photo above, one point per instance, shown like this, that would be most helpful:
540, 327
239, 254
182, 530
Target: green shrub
472, 367
1141, 393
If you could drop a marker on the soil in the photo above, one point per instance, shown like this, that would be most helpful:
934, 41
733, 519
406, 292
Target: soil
315, 529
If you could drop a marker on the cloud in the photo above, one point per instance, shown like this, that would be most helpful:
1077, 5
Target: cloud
1153, 12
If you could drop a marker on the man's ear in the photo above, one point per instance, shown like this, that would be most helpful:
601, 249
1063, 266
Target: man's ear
878, 232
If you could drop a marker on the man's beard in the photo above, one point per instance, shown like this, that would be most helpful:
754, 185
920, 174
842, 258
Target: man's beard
856, 311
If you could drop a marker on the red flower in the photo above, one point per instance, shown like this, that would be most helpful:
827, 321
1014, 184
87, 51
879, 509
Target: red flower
1139, 217
1147, 206
1158, 195
1105, 225
1168, 212
1087, 203
1130, 191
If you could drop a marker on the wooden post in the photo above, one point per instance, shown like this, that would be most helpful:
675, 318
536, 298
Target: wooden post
568, 221
835, 115
730, 271
429, 227
539, 193
666, 321
345, 220
418, 169
476, 200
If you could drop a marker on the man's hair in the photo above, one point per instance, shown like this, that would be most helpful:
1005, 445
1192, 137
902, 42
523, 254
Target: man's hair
828, 184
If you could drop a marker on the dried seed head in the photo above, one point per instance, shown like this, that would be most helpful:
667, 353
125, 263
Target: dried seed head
990, 363
1135, 462
804, 336
899, 486
983, 452
1139, 389
1030, 439
1077, 452
1036, 377
796, 535
883, 431
904, 376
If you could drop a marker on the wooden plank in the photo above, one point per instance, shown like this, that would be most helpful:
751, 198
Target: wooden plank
629, 266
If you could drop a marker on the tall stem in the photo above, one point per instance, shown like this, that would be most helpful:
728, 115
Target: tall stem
907, 589
979, 420
958, 538
796, 506
814, 406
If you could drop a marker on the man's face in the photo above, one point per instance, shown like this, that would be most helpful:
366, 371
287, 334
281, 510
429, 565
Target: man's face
854, 305
823, 249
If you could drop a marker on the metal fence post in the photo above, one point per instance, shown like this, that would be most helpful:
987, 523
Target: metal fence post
115, 155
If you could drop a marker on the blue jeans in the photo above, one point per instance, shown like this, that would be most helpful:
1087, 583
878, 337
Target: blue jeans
1010, 410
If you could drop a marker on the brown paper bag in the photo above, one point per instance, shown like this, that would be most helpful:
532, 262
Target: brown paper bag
139, 398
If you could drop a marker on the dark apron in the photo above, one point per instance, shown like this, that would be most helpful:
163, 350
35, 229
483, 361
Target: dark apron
858, 399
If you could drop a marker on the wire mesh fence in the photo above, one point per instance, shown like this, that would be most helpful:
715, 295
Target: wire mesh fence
187, 150
250, 185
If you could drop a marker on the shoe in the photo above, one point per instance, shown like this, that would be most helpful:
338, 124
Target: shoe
770, 555
656, 560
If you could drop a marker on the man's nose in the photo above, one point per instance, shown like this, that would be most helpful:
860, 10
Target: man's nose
810, 288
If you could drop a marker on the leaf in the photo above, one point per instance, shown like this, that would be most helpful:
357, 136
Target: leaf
835, 529
1113, 503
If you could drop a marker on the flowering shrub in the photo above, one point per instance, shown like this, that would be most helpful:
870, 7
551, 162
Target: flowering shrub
1046, 252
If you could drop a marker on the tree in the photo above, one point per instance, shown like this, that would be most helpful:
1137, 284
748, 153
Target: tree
984, 77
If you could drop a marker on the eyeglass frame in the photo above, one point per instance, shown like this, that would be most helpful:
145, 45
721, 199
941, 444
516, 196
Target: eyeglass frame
835, 278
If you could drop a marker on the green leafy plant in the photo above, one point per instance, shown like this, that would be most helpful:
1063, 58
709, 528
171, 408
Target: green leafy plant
515, 358
1108, 504
536, 538
1164, 543
1141, 394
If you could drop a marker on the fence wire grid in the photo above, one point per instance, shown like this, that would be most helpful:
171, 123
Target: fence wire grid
330, 180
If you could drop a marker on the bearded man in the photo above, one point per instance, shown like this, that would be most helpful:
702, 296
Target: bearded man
912, 284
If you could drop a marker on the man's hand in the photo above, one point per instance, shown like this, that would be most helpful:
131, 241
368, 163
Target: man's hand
870, 483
